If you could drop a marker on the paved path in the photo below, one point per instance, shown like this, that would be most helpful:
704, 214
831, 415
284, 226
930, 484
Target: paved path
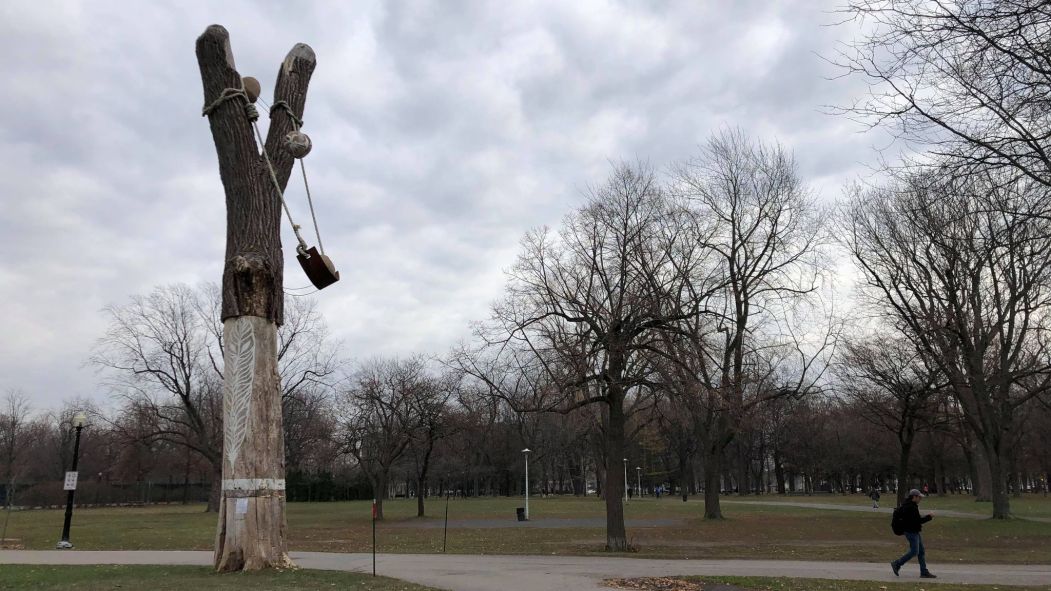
869, 509
459, 572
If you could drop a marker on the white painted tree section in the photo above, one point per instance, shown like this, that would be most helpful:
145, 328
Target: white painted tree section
251, 530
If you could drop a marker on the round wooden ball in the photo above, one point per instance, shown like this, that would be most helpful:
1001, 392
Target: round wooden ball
298, 143
252, 88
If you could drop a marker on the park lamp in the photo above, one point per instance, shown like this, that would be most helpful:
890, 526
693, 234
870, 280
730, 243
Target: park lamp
70, 485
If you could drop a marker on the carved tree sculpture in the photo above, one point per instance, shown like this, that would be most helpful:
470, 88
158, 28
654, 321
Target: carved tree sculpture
251, 530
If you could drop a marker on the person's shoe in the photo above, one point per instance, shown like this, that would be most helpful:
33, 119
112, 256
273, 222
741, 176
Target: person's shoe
894, 567
928, 576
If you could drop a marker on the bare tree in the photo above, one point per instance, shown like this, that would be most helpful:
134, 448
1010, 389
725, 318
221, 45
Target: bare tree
432, 408
961, 264
749, 346
163, 356
581, 309
380, 414
13, 417
895, 389
968, 77
158, 353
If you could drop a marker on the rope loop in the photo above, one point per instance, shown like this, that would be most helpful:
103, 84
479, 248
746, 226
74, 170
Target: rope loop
296, 121
225, 95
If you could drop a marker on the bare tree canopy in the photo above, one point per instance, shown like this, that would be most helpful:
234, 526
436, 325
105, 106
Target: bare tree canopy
963, 268
762, 234
163, 355
970, 78
894, 388
582, 308
386, 404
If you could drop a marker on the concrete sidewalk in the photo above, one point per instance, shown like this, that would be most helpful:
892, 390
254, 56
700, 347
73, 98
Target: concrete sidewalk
461, 572
867, 508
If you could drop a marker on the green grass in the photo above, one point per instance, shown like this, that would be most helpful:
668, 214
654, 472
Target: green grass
180, 578
749, 531
789, 584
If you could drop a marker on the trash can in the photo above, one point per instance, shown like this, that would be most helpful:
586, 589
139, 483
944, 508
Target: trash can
520, 511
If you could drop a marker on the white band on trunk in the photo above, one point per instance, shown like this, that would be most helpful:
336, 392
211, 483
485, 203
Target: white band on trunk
254, 484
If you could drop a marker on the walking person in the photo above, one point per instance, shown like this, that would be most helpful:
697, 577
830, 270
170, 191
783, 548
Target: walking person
908, 515
874, 495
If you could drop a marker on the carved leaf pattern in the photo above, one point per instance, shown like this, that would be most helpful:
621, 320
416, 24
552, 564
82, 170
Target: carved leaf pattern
238, 372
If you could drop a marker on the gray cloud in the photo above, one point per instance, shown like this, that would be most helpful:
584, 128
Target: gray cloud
442, 132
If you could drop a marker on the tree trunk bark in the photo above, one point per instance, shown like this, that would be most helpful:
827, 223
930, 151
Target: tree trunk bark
998, 484
215, 491
250, 534
616, 535
779, 473
251, 530
713, 482
903, 472
984, 485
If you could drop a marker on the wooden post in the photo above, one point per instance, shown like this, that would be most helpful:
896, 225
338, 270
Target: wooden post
251, 530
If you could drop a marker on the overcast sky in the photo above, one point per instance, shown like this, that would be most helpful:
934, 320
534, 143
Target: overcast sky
442, 132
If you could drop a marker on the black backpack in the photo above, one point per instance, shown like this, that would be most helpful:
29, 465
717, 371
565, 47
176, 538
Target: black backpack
897, 522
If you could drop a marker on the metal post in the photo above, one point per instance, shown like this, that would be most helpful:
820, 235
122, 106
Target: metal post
65, 544
526, 452
638, 475
445, 538
373, 537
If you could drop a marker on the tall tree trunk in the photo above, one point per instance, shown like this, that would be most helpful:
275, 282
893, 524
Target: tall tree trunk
998, 484
713, 465
215, 490
743, 477
983, 487
616, 535
251, 530
903, 471
779, 472
250, 534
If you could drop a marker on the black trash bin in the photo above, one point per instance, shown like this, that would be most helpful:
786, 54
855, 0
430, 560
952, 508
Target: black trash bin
520, 511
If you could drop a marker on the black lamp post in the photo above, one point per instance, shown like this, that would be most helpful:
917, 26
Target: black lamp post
71, 482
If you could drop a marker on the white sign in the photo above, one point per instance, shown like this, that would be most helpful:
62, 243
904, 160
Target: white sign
71, 481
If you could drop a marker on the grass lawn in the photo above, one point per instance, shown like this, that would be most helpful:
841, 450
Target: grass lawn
180, 578
749, 531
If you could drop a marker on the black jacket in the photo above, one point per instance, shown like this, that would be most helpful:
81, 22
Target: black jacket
910, 517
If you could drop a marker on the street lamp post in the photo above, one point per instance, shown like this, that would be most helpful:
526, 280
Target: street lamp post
625, 479
71, 482
526, 453
638, 476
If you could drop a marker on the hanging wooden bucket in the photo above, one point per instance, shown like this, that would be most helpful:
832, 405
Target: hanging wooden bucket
318, 267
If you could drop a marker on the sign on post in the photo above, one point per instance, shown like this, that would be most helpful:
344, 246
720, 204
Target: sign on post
71, 481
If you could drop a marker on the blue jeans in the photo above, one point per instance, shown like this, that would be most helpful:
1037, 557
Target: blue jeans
915, 549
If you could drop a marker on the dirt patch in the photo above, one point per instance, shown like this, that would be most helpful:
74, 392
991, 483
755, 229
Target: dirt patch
668, 584
12, 544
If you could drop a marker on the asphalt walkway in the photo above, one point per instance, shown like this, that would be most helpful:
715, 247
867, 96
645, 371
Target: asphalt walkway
459, 572
869, 509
